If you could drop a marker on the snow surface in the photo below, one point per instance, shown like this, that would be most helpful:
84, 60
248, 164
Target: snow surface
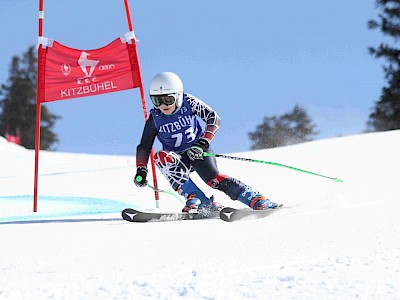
332, 241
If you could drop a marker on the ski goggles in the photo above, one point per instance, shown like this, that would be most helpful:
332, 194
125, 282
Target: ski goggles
164, 99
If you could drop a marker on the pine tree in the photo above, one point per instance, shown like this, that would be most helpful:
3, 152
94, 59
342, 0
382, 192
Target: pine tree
290, 128
386, 113
18, 103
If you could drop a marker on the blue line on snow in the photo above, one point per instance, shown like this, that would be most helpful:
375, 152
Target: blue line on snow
50, 207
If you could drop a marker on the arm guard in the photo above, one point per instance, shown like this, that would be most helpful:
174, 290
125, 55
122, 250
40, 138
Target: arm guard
207, 114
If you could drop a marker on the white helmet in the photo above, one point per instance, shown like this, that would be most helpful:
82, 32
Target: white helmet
166, 83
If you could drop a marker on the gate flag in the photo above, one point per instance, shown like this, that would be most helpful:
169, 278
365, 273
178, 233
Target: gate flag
65, 73
70, 73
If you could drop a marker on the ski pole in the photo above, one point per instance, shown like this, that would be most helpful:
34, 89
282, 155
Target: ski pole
270, 163
139, 179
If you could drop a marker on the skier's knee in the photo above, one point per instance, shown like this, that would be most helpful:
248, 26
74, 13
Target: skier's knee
164, 158
173, 169
230, 186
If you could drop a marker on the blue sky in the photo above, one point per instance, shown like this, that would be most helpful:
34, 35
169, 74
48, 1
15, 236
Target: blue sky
247, 60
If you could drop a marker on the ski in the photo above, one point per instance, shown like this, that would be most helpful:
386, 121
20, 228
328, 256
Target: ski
133, 215
229, 214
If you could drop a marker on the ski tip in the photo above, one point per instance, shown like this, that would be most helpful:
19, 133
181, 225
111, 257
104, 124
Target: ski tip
229, 214
128, 214
226, 214
132, 215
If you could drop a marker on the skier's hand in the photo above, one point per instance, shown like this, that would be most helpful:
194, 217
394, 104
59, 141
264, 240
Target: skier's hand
196, 151
140, 177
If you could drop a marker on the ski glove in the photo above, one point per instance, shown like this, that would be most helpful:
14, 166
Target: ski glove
140, 177
196, 151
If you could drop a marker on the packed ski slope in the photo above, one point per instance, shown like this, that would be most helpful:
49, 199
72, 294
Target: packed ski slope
332, 241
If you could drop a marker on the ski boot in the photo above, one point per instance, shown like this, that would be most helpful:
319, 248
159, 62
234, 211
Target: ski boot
255, 200
197, 200
215, 206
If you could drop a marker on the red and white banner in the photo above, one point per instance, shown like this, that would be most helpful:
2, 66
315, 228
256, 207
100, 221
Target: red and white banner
70, 73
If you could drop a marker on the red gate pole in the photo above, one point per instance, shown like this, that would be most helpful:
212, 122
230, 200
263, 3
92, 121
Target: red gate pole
38, 108
142, 95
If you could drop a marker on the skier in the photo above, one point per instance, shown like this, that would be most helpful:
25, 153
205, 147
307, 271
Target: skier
174, 121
